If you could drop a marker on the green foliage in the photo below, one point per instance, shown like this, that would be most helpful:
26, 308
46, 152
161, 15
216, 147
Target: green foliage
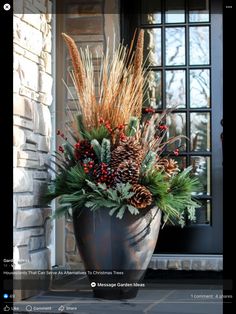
103, 151
67, 182
148, 162
114, 199
173, 196
133, 126
106, 151
69, 154
96, 133
97, 148
183, 183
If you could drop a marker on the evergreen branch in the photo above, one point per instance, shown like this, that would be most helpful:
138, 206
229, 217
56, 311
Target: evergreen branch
97, 148
106, 151
132, 126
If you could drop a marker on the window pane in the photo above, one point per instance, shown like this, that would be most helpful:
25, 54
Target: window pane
154, 90
151, 12
175, 11
175, 88
201, 168
176, 123
175, 45
199, 45
152, 46
200, 131
198, 11
199, 88
203, 213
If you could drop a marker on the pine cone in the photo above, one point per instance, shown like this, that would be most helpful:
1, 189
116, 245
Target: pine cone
127, 149
170, 166
127, 171
142, 197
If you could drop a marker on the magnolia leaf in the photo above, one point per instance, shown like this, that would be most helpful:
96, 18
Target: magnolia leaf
133, 210
121, 212
111, 212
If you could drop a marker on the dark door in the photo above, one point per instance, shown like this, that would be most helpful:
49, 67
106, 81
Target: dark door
183, 45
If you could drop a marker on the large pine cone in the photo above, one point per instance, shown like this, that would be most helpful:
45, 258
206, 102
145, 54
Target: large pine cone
127, 149
170, 166
128, 171
142, 197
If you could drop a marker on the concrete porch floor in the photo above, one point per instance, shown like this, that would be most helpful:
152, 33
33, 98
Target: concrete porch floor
205, 300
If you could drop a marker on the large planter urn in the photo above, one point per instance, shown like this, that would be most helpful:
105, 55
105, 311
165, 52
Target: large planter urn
116, 252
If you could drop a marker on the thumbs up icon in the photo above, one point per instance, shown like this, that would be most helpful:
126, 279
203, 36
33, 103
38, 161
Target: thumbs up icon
6, 308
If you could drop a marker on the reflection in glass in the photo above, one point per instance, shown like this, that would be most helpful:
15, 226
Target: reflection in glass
198, 11
176, 123
200, 88
175, 45
203, 213
199, 45
175, 11
153, 93
200, 131
201, 168
151, 12
175, 88
152, 46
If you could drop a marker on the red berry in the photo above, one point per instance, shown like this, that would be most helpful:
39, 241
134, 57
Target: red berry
176, 152
61, 149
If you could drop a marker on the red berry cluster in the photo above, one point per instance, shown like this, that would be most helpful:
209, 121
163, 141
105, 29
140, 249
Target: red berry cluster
121, 132
103, 174
163, 127
176, 152
83, 149
61, 149
88, 166
150, 110
120, 128
107, 124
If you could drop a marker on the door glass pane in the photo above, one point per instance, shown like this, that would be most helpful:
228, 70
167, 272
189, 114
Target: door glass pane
176, 123
151, 12
201, 168
175, 11
152, 45
200, 131
154, 90
175, 45
203, 213
199, 45
175, 88
200, 88
198, 11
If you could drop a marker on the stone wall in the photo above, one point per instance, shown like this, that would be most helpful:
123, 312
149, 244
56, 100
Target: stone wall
32, 132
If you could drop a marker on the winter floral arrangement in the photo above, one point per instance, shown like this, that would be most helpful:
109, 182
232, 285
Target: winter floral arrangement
113, 157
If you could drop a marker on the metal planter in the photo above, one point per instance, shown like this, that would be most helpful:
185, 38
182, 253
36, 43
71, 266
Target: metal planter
109, 245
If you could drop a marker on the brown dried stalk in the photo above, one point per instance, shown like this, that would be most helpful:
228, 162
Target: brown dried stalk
116, 96
78, 67
138, 62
